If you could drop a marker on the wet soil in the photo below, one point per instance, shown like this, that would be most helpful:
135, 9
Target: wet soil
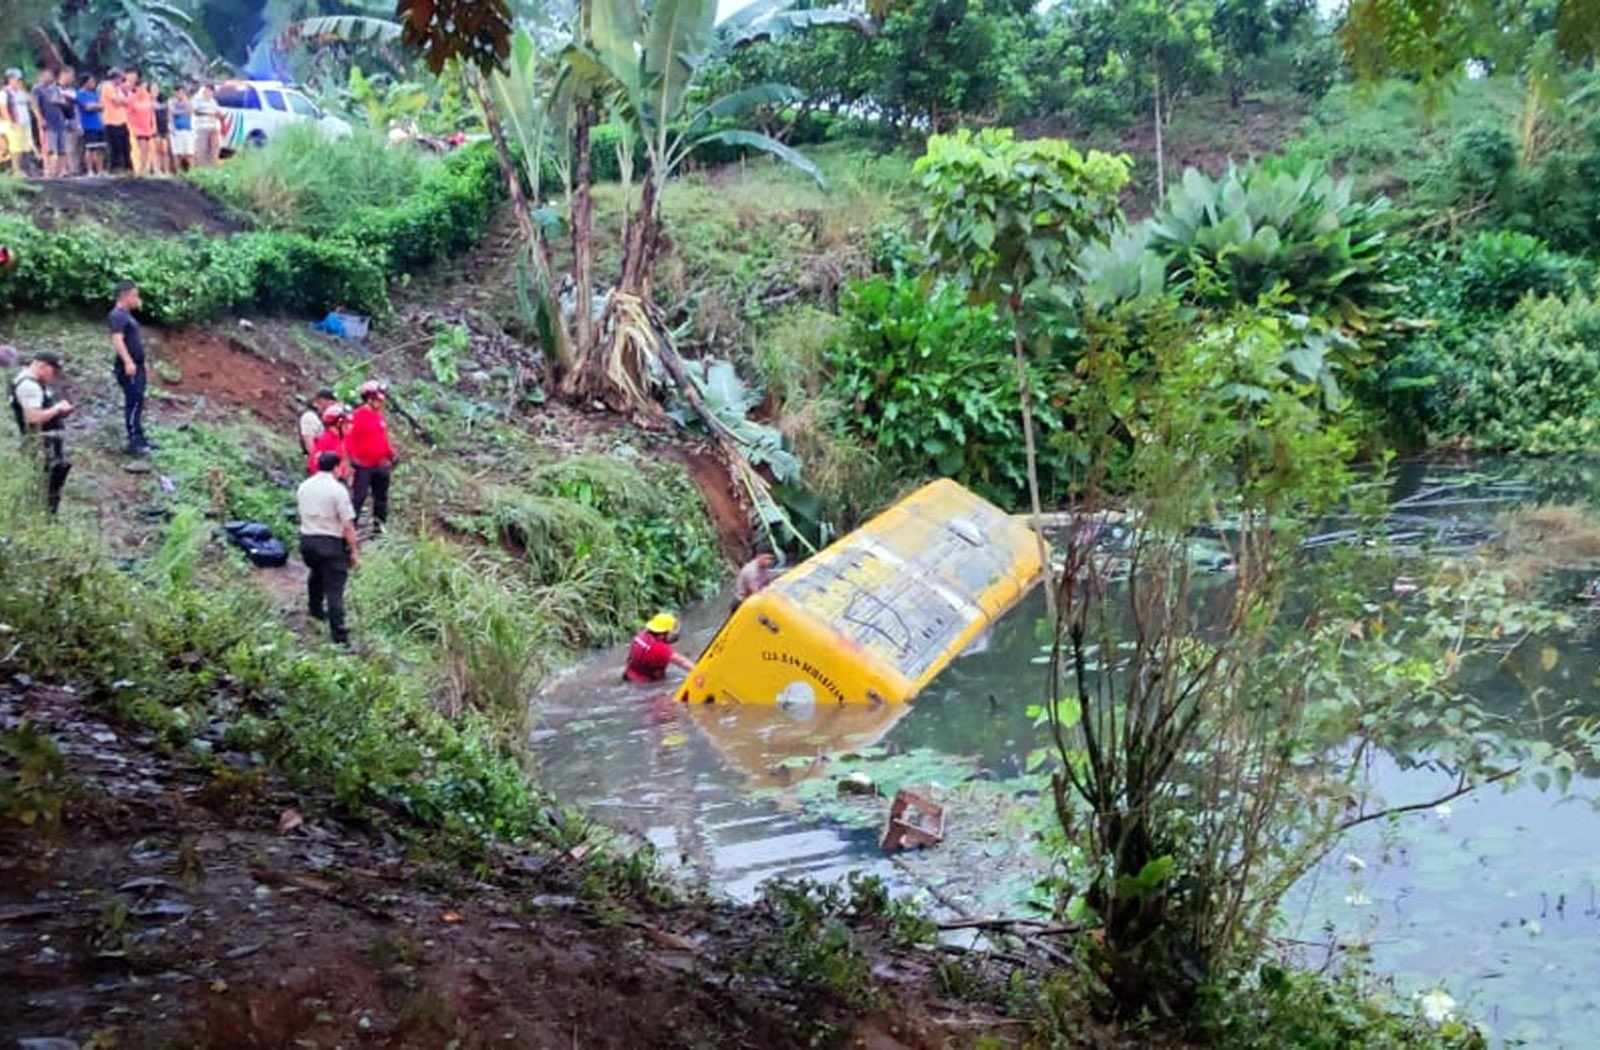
203, 902
162, 206
224, 368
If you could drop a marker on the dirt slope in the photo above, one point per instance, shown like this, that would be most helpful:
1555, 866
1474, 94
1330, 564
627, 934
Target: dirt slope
177, 907
162, 206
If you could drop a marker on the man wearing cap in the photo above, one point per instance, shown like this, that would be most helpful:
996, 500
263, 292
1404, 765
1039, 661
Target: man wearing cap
652, 653
327, 543
311, 419
128, 341
41, 418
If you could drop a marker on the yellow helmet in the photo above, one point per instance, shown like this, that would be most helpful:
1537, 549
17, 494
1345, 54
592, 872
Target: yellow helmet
662, 623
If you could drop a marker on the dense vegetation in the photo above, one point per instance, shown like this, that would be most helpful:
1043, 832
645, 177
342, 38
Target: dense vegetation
1415, 267
320, 245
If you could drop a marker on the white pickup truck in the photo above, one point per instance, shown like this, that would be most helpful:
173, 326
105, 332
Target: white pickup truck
252, 111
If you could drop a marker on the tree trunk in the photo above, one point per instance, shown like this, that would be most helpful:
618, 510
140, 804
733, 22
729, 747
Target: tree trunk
642, 241
1026, 396
561, 351
1161, 157
583, 231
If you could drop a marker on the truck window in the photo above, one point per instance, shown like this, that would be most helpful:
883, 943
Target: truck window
275, 100
237, 96
301, 106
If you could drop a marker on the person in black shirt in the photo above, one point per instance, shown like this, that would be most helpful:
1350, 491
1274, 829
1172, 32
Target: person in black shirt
129, 367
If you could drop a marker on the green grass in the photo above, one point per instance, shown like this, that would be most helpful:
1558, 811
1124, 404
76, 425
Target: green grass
745, 235
1391, 138
303, 181
166, 651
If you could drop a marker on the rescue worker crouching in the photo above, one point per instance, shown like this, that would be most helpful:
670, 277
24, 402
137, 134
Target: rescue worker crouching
652, 651
41, 419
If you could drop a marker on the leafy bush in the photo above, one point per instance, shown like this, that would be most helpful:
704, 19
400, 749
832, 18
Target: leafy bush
175, 656
446, 215
1532, 383
1231, 239
1282, 1007
195, 277
190, 278
1483, 162
930, 382
1498, 267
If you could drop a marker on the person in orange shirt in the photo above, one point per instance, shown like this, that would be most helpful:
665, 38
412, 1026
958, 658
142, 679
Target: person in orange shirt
142, 126
114, 114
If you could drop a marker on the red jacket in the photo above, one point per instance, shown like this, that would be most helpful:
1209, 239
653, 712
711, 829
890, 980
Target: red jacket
367, 443
648, 658
330, 440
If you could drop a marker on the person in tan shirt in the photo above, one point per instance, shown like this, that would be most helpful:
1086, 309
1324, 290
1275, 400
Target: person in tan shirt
327, 543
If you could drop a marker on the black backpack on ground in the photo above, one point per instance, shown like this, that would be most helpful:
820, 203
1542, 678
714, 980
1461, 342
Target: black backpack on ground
263, 549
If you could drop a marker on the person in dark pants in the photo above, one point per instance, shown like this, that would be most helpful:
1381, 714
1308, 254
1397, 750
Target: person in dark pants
367, 444
129, 367
327, 543
41, 417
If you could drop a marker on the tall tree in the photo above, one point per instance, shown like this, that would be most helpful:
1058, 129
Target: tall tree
1161, 49
1007, 219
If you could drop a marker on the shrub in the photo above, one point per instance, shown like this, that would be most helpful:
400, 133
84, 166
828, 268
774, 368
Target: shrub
195, 277
302, 180
448, 214
1483, 162
1498, 267
930, 382
1234, 238
1531, 383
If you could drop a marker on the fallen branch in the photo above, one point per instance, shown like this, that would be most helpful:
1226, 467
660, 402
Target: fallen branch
1461, 788
1034, 927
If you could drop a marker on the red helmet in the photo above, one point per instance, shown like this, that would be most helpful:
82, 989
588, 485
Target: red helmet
374, 388
334, 413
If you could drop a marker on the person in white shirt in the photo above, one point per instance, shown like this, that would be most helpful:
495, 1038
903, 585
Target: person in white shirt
207, 126
311, 419
327, 543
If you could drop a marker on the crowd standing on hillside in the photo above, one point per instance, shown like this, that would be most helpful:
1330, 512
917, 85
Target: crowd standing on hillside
65, 125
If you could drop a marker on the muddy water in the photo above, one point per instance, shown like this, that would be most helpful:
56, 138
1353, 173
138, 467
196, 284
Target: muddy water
1494, 898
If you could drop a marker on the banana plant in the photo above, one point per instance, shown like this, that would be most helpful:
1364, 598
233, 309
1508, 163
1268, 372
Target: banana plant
150, 34
643, 61
639, 63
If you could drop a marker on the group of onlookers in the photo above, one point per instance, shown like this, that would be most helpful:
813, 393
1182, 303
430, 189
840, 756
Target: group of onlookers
65, 125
